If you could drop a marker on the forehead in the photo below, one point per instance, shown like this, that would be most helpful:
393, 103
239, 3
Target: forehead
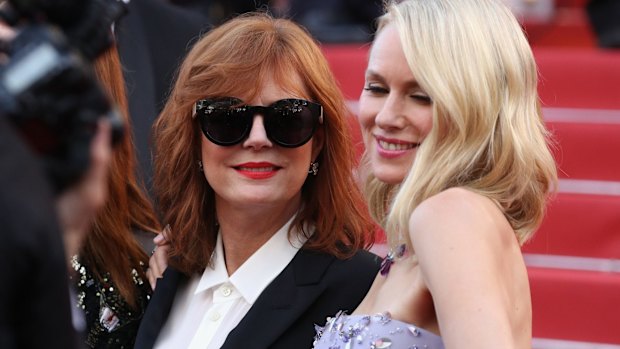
275, 85
387, 45
387, 58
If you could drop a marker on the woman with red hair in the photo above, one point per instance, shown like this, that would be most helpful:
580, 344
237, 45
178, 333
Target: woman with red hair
254, 175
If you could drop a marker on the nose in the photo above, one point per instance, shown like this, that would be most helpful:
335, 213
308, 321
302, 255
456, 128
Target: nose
257, 138
392, 114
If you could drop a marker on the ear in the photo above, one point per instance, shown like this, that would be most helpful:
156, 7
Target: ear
317, 143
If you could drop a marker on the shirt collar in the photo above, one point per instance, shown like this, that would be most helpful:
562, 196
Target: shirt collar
215, 273
259, 270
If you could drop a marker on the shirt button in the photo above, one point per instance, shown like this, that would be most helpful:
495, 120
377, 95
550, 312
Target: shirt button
226, 291
214, 316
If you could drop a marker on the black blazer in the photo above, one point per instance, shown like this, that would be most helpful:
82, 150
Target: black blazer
312, 287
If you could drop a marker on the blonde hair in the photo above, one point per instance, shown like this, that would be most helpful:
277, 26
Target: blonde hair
488, 135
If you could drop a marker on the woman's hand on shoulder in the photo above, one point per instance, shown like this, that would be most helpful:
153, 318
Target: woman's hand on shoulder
465, 248
159, 259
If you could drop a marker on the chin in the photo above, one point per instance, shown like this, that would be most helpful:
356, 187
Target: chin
389, 177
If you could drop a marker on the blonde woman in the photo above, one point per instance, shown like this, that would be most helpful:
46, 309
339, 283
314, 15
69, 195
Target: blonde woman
459, 171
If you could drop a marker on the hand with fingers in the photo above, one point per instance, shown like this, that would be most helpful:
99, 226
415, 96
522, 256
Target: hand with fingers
159, 258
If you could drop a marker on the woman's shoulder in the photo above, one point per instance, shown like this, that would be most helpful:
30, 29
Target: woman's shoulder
457, 211
346, 281
362, 264
456, 197
364, 257
453, 203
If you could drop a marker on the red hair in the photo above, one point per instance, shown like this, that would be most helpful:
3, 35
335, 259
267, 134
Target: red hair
111, 246
233, 59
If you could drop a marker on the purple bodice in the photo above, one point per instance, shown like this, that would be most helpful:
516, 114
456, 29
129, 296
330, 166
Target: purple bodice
373, 332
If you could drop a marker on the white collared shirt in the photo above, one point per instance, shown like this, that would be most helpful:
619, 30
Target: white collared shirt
211, 305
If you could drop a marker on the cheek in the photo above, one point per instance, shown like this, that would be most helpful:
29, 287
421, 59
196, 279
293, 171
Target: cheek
205, 151
213, 155
303, 155
366, 115
426, 123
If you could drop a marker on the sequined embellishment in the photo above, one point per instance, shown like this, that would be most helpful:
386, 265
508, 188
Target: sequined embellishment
111, 321
391, 256
377, 331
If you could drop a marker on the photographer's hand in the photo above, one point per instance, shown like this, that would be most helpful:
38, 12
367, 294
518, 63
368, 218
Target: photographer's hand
78, 205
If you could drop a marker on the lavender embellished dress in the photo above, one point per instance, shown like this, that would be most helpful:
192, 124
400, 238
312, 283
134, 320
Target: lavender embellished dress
374, 331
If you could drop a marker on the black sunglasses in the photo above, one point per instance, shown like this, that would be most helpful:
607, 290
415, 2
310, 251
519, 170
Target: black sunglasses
288, 122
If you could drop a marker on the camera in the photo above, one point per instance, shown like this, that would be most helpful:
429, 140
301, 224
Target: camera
48, 88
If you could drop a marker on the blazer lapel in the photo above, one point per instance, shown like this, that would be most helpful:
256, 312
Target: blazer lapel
158, 309
287, 297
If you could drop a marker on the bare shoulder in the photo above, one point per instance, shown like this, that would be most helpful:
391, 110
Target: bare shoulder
455, 212
454, 203
459, 237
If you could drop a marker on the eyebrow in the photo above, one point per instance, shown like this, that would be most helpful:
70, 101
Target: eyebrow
370, 73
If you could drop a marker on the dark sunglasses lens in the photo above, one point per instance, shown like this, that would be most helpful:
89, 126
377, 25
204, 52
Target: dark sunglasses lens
224, 124
291, 123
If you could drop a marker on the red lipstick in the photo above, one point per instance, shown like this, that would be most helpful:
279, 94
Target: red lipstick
257, 170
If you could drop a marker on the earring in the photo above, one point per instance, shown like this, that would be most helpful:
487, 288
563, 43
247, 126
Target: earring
314, 168
200, 168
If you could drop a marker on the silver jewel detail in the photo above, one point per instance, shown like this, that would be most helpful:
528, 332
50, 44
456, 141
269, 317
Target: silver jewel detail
414, 331
381, 343
314, 168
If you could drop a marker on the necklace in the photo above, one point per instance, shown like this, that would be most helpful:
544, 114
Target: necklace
391, 256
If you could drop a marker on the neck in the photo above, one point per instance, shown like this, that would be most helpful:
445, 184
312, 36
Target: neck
245, 231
